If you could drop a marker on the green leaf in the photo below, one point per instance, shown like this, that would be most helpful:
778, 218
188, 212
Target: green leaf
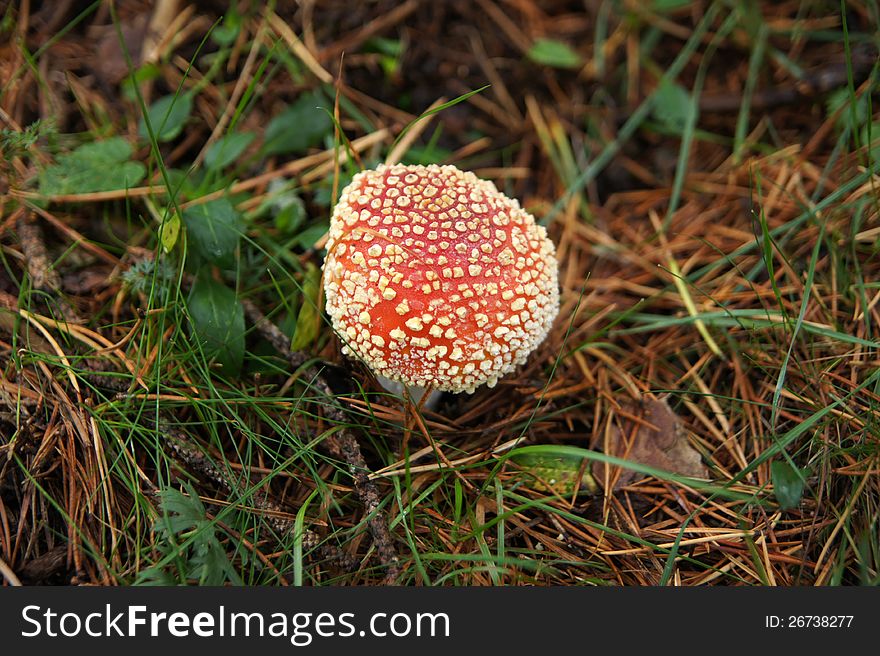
227, 149
558, 474
850, 118
145, 73
551, 52
98, 166
225, 34
217, 323
214, 229
292, 213
169, 231
308, 322
300, 126
167, 117
184, 527
788, 484
672, 105
183, 512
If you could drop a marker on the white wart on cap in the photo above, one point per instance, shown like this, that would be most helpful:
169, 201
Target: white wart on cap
436, 279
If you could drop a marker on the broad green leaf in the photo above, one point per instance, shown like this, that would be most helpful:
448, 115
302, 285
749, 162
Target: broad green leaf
560, 474
167, 116
672, 105
308, 322
300, 126
788, 484
217, 323
227, 149
98, 166
551, 52
169, 231
213, 229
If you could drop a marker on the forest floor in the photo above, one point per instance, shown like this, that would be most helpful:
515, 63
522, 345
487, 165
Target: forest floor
174, 407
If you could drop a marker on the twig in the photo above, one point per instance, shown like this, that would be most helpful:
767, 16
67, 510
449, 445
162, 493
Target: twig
43, 275
377, 26
197, 461
342, 443
829, 77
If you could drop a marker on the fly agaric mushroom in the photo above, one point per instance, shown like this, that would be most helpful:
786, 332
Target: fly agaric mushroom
436, 279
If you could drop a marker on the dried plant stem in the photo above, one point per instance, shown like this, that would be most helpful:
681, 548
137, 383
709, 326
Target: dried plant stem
342, 444
198, 462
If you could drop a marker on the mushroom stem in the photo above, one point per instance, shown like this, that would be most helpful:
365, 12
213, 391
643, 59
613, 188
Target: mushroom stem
415, 393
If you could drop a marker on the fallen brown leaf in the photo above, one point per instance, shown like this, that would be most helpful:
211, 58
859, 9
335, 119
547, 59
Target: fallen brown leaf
649, 433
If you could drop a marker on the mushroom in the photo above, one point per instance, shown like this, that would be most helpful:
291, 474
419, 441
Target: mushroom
436, 279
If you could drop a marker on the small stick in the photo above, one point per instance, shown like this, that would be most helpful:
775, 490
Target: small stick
43, 276
197, 461
342, 443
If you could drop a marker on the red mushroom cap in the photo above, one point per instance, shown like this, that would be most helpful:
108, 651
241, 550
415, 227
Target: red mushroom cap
436, 279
